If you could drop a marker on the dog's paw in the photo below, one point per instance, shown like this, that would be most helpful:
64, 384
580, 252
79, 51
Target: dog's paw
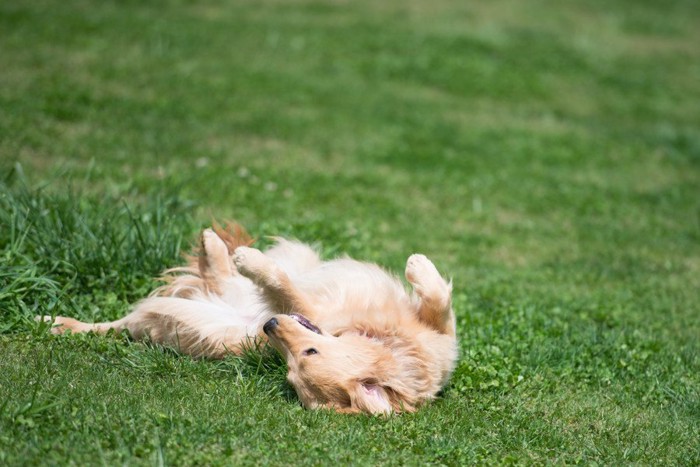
59, 324
424, 276
251, 261
213, 245
216, 254
419, 267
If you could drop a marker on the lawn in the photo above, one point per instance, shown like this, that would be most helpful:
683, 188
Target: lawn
545, 155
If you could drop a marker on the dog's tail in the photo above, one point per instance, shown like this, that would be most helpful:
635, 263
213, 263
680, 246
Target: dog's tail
233, 235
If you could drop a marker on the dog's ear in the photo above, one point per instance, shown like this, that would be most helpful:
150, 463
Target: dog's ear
370, 397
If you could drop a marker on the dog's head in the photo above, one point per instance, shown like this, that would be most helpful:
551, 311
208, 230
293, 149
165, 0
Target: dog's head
348, 373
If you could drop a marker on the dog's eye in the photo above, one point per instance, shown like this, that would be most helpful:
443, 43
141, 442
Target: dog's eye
310, 351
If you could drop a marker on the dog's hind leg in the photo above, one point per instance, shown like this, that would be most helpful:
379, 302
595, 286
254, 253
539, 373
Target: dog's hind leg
278, 289
210, 270
61, 324
193, 327
214, 262
433, 294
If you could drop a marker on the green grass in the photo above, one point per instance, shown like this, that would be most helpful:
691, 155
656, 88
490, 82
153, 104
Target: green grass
545, 154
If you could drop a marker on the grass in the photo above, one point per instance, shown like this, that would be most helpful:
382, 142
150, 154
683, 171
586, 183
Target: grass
545, 154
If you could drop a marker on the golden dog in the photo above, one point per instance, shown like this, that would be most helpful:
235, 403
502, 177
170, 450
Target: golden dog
354, 340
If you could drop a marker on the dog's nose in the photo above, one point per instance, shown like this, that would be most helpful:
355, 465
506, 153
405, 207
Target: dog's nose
270, 325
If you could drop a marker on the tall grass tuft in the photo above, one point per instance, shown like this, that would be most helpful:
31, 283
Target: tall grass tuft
60, 249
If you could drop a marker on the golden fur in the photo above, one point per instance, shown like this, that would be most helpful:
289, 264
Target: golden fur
354, 340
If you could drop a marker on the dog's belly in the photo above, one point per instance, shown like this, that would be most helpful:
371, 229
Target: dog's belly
349, 294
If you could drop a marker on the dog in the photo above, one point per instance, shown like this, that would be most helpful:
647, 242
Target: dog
353, 338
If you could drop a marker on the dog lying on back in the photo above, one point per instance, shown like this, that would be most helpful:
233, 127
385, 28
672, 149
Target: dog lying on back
354, 340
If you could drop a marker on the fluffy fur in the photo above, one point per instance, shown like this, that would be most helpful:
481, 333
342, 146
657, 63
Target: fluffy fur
354, 340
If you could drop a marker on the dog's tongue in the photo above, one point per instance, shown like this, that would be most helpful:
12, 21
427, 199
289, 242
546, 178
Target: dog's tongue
305, 322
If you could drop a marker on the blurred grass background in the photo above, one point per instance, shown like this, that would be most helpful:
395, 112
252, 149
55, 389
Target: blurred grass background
544, 154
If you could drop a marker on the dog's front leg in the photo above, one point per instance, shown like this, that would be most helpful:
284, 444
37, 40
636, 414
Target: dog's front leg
433, 293
277, 288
